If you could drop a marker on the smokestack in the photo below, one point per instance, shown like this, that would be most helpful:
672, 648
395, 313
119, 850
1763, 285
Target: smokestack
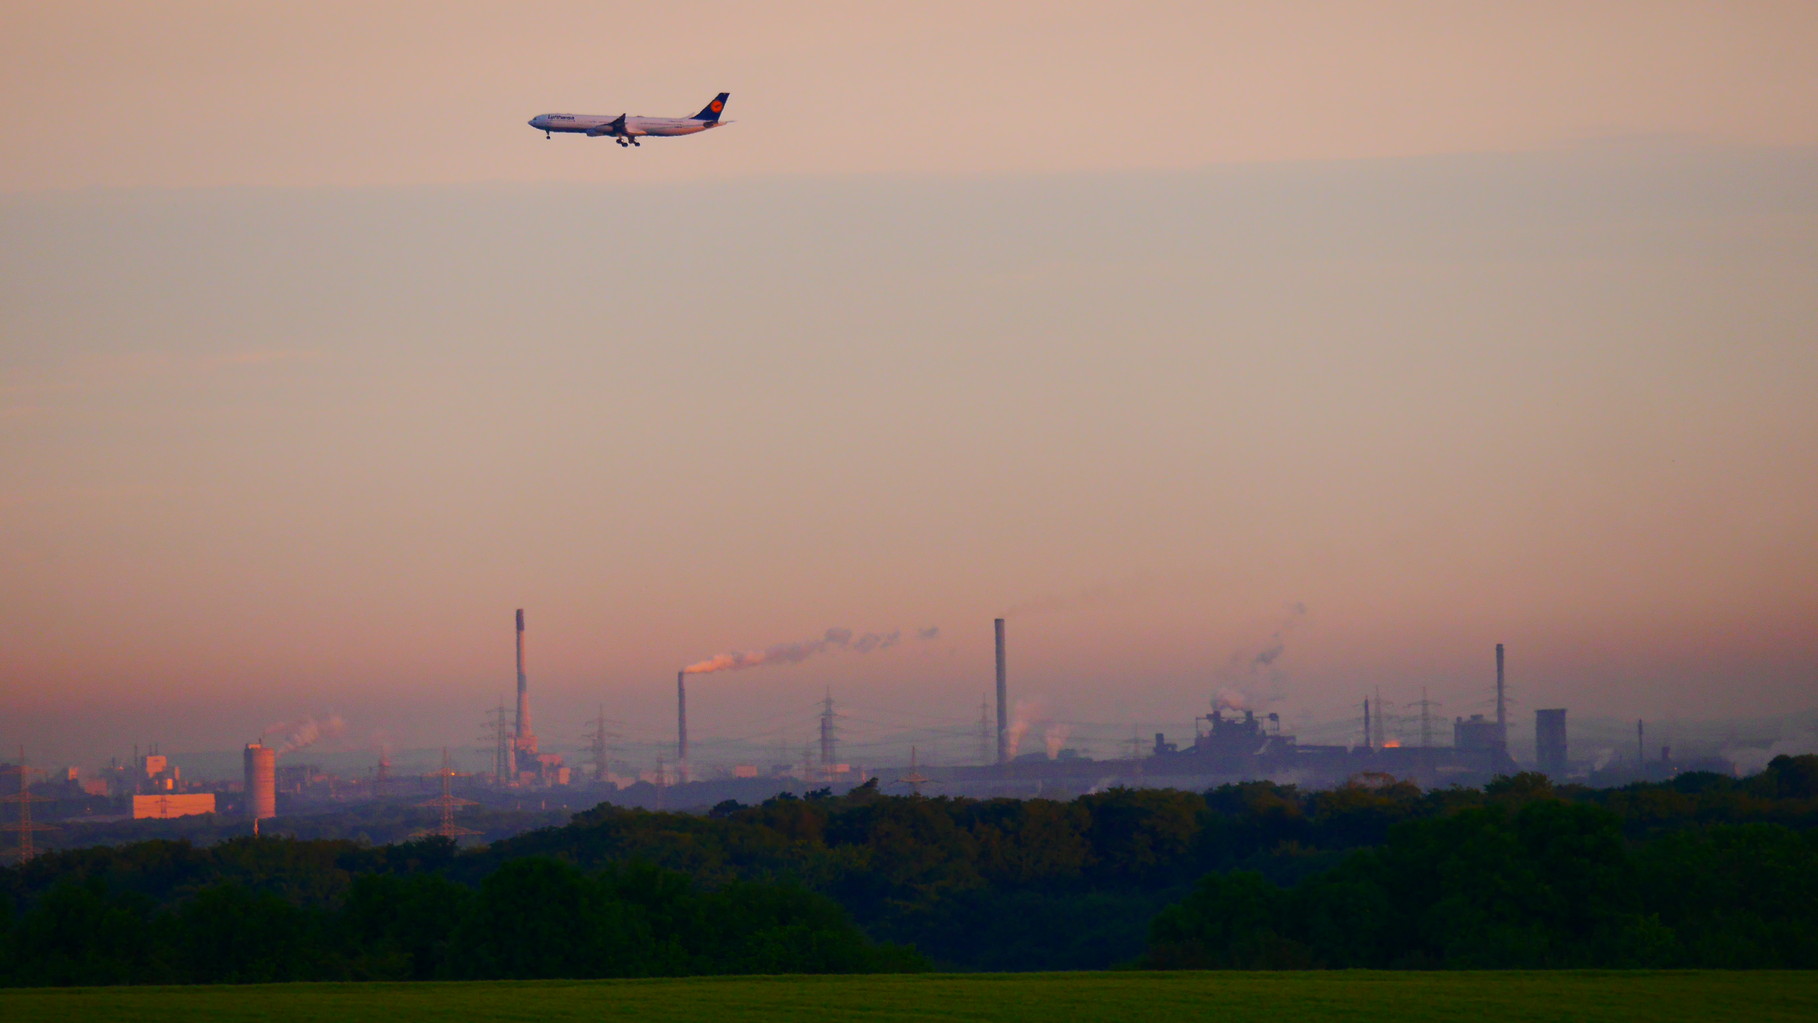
1641, 742
681, 725
523, 741
523, 728
1003, 706
1502, 721
261, 763
1369, 740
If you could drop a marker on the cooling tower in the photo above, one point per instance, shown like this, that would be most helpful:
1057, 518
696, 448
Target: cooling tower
1550, 741
261, 781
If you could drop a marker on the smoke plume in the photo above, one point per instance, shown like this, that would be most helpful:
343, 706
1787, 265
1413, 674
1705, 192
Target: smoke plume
305, 732
795, 653
1254, 675
1029, 713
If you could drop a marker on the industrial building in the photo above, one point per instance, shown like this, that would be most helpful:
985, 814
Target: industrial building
166, 805
261, 781
1550, 741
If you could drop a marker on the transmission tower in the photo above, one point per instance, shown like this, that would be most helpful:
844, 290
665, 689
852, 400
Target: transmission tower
597, 741
1381, 721
827, 736
915, 779
447, 804
25, 827
1135, 742
498, 736
984, 732
1426, 718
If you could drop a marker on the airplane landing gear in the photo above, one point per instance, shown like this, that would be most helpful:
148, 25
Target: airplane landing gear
548, 136
635, 142
621, 142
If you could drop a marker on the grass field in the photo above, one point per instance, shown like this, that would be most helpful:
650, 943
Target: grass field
1653, 997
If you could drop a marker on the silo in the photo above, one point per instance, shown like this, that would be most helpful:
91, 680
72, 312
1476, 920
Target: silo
261, 781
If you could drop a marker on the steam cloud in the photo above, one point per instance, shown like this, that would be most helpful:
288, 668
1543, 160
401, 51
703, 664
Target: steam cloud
1256, 676
305, 732
1025, 715
795, 653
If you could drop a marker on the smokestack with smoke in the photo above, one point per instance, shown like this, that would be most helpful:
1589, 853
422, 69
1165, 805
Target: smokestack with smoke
1054, 738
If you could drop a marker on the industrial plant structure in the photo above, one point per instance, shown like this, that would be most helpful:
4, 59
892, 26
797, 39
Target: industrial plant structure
527, 765
261, 781
1550, 741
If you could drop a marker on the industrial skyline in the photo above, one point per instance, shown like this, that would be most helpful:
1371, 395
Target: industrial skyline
1232, 743
1239, 739
1285, 352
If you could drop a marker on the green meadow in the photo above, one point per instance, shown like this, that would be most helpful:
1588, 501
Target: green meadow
1654, 996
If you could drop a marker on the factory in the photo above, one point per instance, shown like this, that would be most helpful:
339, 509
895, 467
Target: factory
1230, 743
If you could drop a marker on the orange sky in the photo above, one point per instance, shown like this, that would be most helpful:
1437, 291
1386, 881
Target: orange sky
1456, 324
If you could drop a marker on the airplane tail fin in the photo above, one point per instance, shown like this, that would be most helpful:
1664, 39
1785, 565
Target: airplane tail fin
711, 112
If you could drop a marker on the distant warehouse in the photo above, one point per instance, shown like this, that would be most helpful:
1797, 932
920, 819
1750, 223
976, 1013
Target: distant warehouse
173, 804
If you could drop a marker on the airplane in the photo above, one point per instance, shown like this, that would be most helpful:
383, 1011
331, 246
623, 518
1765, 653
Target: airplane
625, 129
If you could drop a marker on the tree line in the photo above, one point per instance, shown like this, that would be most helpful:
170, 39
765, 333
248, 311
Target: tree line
531, 918
1701, 870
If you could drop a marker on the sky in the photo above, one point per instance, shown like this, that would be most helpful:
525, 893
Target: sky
1281, 351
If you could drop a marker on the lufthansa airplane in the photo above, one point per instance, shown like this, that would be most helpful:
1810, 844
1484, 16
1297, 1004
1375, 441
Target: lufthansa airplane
625, 129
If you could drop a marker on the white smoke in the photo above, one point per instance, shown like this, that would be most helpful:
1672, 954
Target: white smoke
1033, 713
304, 732
1255, 675
1754, 759
835, 638
1022, 715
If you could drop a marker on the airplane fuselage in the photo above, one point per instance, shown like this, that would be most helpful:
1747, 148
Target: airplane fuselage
626, 129
633, 127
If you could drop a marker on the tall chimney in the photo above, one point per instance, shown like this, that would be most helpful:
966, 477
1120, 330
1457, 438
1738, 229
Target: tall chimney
681, 725
1502, 719
1003, 708
1369, 740
523, 728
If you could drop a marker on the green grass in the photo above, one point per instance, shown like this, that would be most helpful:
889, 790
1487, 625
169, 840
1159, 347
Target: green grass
1654, 997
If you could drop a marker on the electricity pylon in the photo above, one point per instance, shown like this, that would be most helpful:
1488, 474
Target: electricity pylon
25, 826
447, 802
915, 779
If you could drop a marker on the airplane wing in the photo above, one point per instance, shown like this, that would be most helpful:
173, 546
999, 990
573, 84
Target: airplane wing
614, 127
